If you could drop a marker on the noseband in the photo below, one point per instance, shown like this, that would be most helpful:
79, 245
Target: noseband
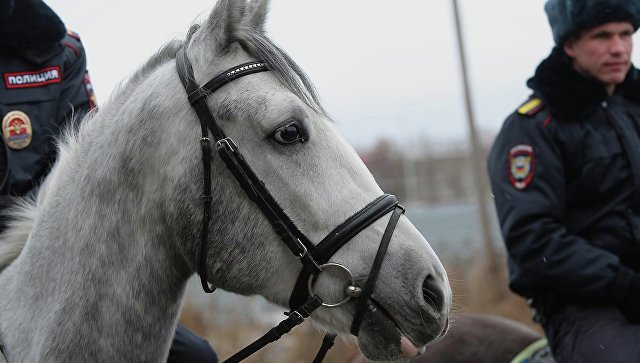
314, 258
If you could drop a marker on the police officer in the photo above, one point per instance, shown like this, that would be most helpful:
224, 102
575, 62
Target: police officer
45, 86
45, 89
565, 174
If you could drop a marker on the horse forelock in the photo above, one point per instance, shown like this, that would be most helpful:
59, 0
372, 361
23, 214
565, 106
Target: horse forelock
285, 69
259, 46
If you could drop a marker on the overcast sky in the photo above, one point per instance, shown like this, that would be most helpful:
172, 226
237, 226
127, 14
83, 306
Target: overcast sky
384, 69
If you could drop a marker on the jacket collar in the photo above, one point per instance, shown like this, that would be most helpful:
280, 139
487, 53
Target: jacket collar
570, 94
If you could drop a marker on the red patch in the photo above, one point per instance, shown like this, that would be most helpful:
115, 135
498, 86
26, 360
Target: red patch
521, 166
29, 79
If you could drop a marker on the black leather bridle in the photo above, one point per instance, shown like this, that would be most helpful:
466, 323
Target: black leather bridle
314, 258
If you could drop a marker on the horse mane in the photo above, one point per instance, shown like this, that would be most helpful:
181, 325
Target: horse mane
23, 213
12, 240
125, 89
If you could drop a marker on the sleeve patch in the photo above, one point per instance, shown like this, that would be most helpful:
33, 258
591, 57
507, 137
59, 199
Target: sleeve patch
521, 166
531, 107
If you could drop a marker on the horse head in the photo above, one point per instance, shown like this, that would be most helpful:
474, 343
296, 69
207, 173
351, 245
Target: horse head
116, 230
291, 144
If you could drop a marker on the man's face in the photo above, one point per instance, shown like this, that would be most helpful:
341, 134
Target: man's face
603, 52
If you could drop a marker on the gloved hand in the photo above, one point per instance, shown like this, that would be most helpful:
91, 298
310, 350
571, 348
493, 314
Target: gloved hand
630, 304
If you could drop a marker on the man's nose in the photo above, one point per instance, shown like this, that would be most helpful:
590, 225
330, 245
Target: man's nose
618, 45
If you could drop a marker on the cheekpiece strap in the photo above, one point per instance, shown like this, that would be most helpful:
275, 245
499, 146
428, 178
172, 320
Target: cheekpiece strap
295, 240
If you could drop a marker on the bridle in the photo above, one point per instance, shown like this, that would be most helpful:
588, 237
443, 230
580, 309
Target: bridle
314, 258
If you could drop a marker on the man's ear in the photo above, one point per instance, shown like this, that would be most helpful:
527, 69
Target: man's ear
569, 48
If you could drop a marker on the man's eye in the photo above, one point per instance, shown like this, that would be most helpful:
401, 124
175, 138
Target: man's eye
288, 134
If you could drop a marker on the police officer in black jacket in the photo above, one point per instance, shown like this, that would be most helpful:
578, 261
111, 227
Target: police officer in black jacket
565, 174
45, 86
45, 89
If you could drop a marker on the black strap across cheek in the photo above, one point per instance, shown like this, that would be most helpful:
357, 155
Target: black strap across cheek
295, 240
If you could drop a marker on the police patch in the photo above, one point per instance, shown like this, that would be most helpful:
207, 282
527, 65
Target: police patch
16, 130
37, 78
521, 165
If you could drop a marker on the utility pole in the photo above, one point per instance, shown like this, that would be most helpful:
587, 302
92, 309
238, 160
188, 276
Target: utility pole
410, 178
477, 162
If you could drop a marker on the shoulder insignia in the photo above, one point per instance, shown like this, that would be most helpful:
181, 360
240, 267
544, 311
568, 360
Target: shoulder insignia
531, 107
73, 48
72, 42
73, 34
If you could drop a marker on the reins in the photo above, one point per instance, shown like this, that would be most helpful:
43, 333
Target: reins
314, 258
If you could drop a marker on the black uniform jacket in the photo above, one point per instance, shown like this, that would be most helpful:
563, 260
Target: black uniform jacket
42, 91
565, 174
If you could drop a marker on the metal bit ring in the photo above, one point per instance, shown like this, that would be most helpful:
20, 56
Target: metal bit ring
339, 266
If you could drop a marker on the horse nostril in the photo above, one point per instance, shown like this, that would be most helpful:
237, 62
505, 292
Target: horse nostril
433, 293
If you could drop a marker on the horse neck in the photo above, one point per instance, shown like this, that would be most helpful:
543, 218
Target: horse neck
103, 251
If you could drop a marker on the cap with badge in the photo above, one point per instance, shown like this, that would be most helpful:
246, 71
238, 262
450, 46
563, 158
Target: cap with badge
568, 18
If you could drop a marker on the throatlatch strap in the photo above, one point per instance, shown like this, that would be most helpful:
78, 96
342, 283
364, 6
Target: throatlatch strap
185, 72
206, 214
295, 318
361, 306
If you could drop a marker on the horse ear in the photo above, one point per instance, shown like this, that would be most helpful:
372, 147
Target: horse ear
224, 21
257, 15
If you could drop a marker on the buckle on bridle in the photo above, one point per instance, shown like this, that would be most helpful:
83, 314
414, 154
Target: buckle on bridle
227, 143
304, 251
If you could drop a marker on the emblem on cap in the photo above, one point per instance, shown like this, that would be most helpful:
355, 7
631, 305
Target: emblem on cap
521, 165
16, 130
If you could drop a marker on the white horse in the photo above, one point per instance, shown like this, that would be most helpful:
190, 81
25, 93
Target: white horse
95, 268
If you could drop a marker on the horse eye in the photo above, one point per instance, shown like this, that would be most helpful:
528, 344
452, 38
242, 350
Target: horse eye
288, 134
